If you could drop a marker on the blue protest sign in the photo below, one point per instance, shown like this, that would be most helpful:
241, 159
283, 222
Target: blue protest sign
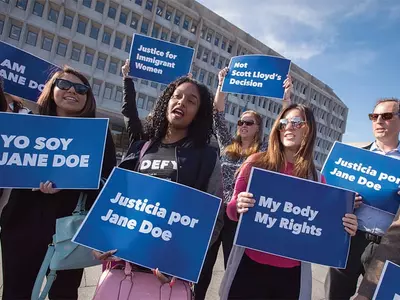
24, 74
158, 60
258, 75
303, 222
388, 286
66, 151
152, 222
374, 176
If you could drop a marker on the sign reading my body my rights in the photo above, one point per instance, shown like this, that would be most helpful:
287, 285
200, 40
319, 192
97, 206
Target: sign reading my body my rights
65, 151
152, 222
374, 176
388, 286
258, 75
24, 74
302, 222
157, 60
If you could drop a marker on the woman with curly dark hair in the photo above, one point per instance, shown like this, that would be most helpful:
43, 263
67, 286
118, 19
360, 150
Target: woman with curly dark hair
175, 142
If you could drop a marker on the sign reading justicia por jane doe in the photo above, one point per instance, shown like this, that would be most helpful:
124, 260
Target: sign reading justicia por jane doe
157, 60
257, 75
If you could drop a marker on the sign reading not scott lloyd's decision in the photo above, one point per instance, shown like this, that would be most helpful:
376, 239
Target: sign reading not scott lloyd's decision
258, 75
158, 60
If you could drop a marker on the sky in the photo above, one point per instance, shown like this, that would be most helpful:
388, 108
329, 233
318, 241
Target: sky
351, 45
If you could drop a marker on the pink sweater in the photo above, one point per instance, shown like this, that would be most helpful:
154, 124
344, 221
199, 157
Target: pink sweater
241, 186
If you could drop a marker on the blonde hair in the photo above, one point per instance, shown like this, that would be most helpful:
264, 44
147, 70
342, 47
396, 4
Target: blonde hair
235, 150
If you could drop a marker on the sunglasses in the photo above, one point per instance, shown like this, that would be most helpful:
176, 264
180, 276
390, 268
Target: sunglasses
296, 123
65, 85
247, 123
385, 116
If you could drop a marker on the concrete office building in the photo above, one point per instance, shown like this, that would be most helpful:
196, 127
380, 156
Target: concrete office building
95, 36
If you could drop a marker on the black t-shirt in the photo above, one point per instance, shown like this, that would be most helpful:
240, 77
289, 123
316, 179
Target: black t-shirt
160, 161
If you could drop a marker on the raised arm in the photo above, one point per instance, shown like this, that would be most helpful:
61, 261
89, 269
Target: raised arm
129, 109
288, 85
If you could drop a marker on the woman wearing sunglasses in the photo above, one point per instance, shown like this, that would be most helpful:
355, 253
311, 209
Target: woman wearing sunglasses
256, 275
233, 151
28, 220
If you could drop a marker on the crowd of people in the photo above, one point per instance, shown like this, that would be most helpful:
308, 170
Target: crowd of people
179, 130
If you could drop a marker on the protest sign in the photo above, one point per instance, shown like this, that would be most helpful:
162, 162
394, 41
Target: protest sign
24, 74
152, 222
257, 75
303, 222
65, 151
158, 60
374, 176
389, 284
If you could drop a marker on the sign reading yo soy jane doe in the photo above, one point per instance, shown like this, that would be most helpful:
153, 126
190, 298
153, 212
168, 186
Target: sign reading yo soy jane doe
66, 151
24, 74
258, 75
152, 222
374, 176
158, 60
303, 221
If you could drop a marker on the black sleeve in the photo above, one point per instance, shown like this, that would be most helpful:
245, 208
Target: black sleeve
109, 158
130, 112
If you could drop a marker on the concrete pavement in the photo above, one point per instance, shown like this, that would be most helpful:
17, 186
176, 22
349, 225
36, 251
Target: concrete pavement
92, 275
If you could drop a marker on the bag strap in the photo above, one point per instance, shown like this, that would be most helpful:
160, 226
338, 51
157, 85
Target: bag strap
80, 206
128, 269
145, 147
36, 295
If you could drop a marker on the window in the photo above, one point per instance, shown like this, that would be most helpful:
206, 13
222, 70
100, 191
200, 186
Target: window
230, 48
81, 26
94, 32
217, 39
76, 53
99, 6
168, 13
21, 4
88, 58
128, 46
160, 8
145, 26
213, 59
199, 52
223, 45
96, 88
61, 48
164, 35
87, 3
174, 37
1, 26
145, 82
53, 15
5, 1
210, 79
194, 27
203, 32
139, 2
150, 103
31, 38
101, 63
155, 31
154, 84
67, 21
209, 35
140, 100
149, 5
186, 23
38, 9
112, 12
183, 41
118, 94
118, 42
15, 32
113, 67
123, 17
206, 54
47, 43
220, 62
202, 75
106, 38
108, 91
177, 20
135, 21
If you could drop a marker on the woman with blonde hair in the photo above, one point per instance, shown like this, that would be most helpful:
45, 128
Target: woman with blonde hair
233, 152
256, 275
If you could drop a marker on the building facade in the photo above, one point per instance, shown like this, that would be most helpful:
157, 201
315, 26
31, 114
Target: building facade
94, 36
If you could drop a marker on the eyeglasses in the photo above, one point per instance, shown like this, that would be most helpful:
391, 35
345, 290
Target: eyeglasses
296, 123
385, 116
65, 85
247, 123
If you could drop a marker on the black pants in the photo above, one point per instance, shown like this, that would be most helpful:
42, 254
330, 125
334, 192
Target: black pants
25, 235
341, 284
226, 237
254, 281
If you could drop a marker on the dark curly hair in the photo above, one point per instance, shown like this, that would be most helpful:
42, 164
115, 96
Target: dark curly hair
201, 128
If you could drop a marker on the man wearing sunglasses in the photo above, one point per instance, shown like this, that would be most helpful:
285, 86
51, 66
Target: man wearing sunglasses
372, 223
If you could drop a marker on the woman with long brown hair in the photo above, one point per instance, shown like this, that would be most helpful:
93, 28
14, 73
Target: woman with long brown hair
255, 275
28, 220
233, 151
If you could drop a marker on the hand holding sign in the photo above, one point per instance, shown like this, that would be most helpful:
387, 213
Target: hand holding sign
47, 188
288, 86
